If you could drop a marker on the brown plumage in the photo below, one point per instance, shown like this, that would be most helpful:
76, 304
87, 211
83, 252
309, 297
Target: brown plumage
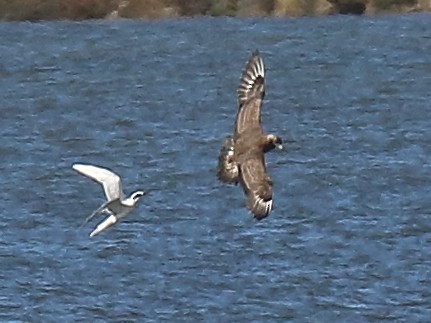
241, 159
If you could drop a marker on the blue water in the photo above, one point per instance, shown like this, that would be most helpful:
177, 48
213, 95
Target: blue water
349, 239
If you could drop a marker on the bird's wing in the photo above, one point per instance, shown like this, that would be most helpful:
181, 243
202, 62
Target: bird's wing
251, 92
257, 186
109, 221
110, 181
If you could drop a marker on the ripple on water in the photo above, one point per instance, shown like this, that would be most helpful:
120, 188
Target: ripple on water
348, 237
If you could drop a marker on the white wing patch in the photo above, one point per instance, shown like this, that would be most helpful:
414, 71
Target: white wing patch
253, 70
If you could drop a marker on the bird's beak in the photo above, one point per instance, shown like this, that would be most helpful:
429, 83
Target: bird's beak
279, 146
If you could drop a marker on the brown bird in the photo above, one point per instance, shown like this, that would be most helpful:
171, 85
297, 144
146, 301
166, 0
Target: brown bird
242, 157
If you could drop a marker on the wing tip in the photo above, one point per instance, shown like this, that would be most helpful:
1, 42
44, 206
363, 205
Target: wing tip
261, 208
252, 78
80, 166
77, 166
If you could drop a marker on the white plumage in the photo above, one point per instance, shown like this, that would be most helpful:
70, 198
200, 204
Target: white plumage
116, 206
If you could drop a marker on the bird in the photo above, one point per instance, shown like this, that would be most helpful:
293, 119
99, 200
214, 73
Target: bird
117, 205
242, 156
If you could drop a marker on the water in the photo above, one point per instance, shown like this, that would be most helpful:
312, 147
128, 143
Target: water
349, 239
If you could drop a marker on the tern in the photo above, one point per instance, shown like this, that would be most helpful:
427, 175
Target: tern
117, 205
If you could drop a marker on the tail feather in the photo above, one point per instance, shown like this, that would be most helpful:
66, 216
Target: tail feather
102, 209
227, 168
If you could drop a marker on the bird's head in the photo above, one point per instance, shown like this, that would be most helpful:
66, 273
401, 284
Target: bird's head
271, 142
137, 195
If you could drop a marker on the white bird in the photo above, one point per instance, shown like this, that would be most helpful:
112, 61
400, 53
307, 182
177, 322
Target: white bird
117, 205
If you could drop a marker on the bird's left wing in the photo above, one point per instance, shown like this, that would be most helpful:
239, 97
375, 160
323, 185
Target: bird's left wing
251, 92
257, 186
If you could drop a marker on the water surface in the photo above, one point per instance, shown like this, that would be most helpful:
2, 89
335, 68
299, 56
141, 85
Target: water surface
349, 238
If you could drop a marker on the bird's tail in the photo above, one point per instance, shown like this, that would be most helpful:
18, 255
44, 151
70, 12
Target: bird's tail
101, 209
227, 168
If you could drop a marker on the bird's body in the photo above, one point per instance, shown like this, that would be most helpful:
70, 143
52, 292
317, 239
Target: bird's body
241, 159
117, 205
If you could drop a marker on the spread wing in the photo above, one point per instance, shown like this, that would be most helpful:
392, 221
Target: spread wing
251, 92
110, 181
227, 168
257, 186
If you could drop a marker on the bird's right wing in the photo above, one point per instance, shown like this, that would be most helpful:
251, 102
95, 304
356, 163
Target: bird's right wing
110, 181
